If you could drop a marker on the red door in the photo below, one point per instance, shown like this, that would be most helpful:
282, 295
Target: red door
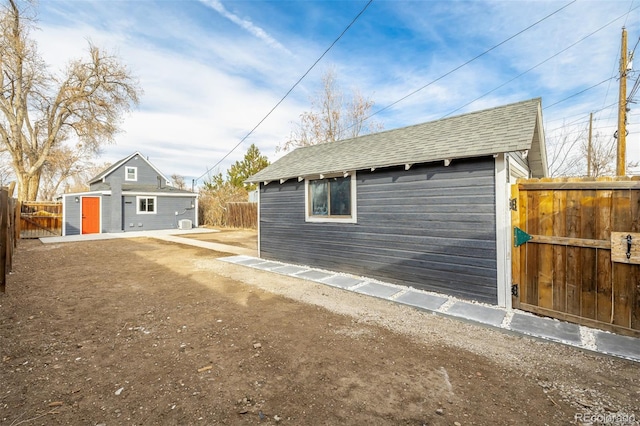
90, 215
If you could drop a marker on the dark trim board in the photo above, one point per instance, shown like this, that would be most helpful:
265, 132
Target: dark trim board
430, 227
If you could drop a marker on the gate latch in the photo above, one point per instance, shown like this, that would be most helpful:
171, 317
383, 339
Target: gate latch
629, 238
514, 290
513, 204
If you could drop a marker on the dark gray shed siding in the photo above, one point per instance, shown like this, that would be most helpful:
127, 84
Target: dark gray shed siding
431, 227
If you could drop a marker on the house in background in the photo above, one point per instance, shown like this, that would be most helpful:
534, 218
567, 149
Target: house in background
131, 195
425, 206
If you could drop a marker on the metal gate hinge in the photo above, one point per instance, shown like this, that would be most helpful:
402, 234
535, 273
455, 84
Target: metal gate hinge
520, 237
513, 204
514, 290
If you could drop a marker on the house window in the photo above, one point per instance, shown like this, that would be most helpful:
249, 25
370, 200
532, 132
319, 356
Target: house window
131, 173
331, 199
146, 205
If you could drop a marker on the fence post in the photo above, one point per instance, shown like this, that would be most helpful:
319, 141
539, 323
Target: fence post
18, 221
4, 233
11, 243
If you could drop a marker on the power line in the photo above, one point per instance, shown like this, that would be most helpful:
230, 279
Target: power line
288, 92
579, 93
581, 115
578, 121
541, 63
468, 62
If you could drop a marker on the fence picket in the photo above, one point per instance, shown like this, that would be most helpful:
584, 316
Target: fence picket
559, 252
588, 256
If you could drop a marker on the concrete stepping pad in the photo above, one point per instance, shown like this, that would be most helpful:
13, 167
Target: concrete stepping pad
289, 269
314, 275
421, 300
343, 281
246, 261
613, 344
478, 313
547, 328
378, 290
267, 266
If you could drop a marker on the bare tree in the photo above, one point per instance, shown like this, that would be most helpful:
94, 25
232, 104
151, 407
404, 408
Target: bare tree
564, 153
178, 181
66, 167
6, 172
41, 111
567, 154
332, 117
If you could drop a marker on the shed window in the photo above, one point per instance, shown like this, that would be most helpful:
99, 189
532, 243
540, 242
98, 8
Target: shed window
131, 173
146, 205
331, 199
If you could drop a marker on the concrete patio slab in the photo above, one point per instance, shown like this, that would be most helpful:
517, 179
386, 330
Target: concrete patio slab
421, 300
547, 328
613, 344
134, 234
223, 248
377, 290
343, 281
478, 313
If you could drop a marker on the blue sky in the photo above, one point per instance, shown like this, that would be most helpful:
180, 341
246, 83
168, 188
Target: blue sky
212, 69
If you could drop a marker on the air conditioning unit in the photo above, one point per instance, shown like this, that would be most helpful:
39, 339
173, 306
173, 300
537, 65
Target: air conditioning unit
184, 224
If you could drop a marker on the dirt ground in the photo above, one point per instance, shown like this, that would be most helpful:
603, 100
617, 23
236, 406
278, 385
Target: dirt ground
146, 332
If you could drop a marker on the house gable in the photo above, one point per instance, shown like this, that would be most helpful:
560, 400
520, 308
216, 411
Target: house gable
134, 169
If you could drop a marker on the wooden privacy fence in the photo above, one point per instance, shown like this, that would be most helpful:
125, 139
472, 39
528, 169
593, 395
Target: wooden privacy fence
578, 251
8, 234
40, 219
241, 215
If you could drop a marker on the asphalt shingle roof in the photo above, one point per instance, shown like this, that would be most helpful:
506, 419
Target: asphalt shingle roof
514, 127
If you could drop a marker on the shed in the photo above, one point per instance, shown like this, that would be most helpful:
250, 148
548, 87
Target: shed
424, 206
131, 195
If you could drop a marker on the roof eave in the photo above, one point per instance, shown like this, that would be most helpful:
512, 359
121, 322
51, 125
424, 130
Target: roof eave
261, 179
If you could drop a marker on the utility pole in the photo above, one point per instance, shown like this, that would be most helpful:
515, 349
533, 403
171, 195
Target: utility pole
621, 169
590, 145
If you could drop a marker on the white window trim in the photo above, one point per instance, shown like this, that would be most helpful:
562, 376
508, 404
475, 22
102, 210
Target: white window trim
135, 174
155, 204
321, 219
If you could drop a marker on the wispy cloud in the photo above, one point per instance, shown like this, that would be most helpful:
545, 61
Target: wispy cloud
245, 24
